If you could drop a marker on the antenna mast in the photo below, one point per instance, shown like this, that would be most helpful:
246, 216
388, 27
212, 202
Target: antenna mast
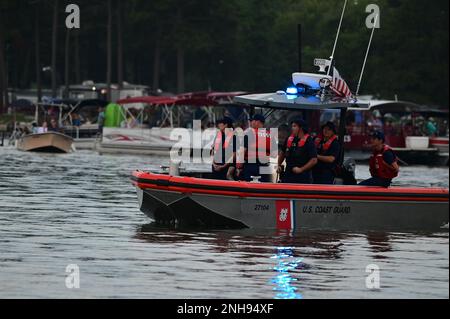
367, 55
337, 38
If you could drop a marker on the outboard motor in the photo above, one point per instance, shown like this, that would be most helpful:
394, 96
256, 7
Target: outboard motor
348, 172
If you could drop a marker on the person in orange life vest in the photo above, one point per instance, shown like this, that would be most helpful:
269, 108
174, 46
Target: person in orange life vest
300, 154
257, 149
223, 149
328, 151
383, 163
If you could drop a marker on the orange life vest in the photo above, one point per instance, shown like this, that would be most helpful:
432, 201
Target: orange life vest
325, 146
301, 143
259, 146
218, 141
379, 168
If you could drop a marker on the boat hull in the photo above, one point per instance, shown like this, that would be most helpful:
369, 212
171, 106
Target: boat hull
136, 141
85, 144
325, 209
50, 142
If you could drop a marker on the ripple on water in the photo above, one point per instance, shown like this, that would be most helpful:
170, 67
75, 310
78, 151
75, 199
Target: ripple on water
81, 209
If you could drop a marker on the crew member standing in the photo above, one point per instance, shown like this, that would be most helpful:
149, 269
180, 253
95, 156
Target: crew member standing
383, 163
300, 154
328, 151
223, 149
259, 146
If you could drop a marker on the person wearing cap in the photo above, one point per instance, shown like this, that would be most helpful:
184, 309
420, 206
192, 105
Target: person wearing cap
34, 128
256, 152
383, 163
328, 151
223, 150
300, 154
431, 127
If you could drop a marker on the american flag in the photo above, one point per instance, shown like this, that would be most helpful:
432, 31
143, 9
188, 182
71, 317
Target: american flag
339, 86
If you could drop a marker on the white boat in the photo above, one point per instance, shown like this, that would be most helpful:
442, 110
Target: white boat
168, 114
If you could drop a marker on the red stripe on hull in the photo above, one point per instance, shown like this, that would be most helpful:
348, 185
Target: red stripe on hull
243, 189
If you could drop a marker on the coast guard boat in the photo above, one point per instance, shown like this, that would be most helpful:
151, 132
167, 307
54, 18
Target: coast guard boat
191, 201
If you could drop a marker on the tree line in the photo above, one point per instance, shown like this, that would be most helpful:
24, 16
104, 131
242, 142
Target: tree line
245, 45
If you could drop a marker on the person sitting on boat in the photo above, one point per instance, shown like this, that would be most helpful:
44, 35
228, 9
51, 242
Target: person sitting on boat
258, 147
328, 151
34, 128
300, 154
431, 127
43, 128
223, 149
54, 127
76, 120
383, 163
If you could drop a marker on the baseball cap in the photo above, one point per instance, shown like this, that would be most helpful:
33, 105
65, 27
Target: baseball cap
378, 135
258, 117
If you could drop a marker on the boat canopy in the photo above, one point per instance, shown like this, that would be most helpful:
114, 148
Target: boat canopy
283, 101
63, 103
185, 99
207, 101
150, 100
387, 106
22, 104
91, 103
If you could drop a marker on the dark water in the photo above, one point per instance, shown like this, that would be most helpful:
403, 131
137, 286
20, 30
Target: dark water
81, 209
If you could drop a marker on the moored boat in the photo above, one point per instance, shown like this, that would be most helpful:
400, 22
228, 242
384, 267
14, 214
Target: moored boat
50, 142
152, 119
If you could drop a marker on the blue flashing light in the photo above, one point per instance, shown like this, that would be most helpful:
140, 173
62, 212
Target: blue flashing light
301, 90
292, 90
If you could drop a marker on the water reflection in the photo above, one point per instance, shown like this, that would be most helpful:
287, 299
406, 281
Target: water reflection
284, 280
318, 245
379, 244
253, 249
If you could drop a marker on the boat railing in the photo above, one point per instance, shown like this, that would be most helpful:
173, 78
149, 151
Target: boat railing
14, 137
3, 130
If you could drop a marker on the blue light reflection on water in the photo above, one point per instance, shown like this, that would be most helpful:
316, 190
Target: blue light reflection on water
284, 280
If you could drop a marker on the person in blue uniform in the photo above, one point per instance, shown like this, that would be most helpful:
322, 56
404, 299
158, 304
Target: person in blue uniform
383, 163
300, 154
328, 152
